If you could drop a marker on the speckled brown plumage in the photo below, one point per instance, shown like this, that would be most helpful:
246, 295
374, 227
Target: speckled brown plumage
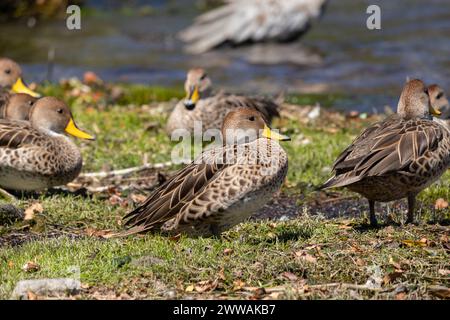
211, 195
211, 110
35, 155
398, 157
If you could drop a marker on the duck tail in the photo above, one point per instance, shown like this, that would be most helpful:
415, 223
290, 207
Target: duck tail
128, 232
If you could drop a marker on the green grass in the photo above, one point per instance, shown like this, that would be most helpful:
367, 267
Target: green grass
306, 257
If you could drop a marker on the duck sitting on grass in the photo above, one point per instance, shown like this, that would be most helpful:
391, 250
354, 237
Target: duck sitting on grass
36, 155
221, 188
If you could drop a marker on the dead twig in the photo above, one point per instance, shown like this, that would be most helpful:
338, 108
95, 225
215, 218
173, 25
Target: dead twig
123, 172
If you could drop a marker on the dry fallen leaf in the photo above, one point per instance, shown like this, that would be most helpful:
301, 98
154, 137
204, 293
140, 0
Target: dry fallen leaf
204, 286
444, 272
414, 243
189, 288
31, 295
305, 256
138, 198
31, 211
289, 276
30, 266
92, 232
390, 277
440, 204
238, 284
227, 251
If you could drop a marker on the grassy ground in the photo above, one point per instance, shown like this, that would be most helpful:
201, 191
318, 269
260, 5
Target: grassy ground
304, 244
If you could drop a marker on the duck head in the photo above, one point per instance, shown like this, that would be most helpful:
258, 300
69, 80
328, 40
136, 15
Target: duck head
197, 86
245, 125
439, 100
52, 114
11, 77
415, 101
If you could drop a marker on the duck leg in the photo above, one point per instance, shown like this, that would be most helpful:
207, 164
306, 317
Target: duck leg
411, 206
372, 217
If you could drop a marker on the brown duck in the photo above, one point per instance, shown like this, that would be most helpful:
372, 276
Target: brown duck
35, 155
16, 106
202, 106
211, 195
398, 157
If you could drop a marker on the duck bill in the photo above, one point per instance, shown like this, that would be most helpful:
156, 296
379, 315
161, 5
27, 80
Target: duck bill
73, 130
435, 112
270, 134
192, 98
20, 87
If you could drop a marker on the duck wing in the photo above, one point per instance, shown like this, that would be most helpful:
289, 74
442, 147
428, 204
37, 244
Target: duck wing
393, 145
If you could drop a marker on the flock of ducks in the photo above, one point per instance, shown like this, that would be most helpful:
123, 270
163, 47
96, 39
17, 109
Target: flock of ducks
391, 159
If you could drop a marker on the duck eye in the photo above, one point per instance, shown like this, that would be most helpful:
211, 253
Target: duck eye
252, 118
8, 71
440, 95
203, 77
59, 110
30, 103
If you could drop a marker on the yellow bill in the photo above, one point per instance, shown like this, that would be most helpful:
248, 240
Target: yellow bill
194, 95
269, 134
20, 87
434, 111
72, 129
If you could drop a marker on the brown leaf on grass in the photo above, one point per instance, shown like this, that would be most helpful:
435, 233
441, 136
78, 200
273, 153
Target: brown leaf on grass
305, 256
138, 198
414, 243
238, 284
390, 277
395, 264
400, 296
189, 288
227, 251
31, 266
92, 232
440, 204
439, 291
360, 262
31, 295
206, 286
221, 274
175, 238
32, 210
289, 276
258, 294
444, 272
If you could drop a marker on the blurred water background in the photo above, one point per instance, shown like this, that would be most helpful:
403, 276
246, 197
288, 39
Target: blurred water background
135, 41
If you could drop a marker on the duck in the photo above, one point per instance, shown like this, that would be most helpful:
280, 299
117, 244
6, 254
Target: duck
439, 101
36, 154
224, 186
16, 106
11, 78
397, 157
203, 108
252, 21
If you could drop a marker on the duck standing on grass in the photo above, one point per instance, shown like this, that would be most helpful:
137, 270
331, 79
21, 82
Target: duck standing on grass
223, 187
36, 155
210, 110
397, 157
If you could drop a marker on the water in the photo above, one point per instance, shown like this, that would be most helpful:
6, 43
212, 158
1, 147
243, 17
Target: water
124, 45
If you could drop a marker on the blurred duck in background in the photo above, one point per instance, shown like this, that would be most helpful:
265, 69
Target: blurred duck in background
250, 21
439, 101
11, 78
201, 105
